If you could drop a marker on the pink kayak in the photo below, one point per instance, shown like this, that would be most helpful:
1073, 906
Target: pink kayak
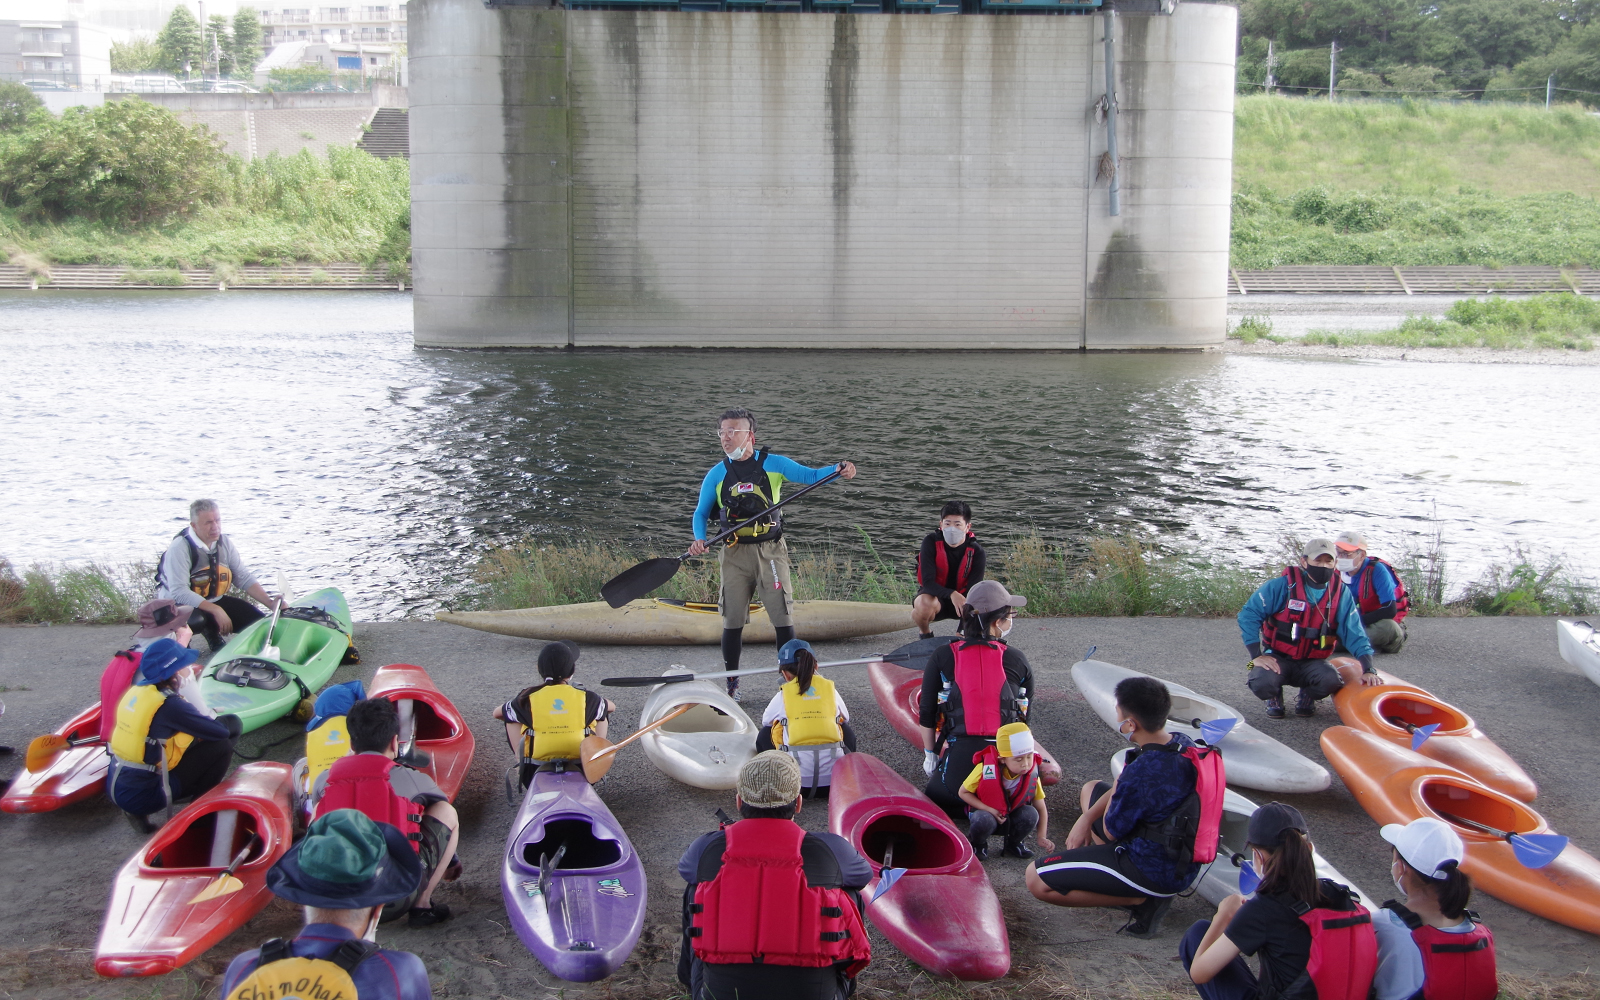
942, 913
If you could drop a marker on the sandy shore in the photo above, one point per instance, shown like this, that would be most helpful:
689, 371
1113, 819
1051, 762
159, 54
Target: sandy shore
1469, 355
1504, 671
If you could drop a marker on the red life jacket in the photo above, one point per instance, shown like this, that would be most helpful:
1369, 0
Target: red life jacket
114, 683
760, 907
987, 699
1191, 832
1302, 629
361, 781
1344, 949
1454, 966
941, 557
1367, 592
991, 785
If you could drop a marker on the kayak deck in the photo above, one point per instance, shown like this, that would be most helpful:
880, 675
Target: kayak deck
437, 726
309, 653
707, 745
76, 774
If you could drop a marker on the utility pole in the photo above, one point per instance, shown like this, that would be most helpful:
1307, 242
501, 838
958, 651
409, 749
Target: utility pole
1272, 63
1333, 67
1549, 87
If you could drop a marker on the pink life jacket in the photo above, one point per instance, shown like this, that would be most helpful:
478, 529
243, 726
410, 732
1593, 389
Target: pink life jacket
1454, 966
987, 696
114, 683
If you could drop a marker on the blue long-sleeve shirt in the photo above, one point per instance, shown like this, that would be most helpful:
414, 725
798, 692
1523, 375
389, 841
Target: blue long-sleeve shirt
1150, 788
788, 468
1271, 597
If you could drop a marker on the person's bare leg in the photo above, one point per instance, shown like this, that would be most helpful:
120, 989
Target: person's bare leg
1075, 898
924, 609
445, 813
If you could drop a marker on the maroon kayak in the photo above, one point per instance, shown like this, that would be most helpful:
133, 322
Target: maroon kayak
881, 814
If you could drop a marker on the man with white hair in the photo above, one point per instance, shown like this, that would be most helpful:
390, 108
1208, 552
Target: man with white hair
198, 569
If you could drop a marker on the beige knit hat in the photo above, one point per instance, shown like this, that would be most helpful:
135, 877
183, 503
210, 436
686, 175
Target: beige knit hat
769, 780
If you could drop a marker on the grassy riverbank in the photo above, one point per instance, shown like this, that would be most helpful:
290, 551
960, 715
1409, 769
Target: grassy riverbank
1541, 322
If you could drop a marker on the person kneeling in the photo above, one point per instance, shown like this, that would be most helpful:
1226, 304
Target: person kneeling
163, 749
541, 722
371, 780
807, 718
343, 873
1004, 795
765, 864
1129, 847
1291, 916
1431, 945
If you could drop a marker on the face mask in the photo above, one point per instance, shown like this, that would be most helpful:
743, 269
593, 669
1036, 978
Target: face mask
1129, 734
734, 456
1394, 876
953, 536
1319, 575
1345, 565
1005, 629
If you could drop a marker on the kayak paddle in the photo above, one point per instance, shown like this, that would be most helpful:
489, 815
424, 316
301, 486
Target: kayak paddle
1212, 730
1419, 734
225, 882
547, 864
612, 748
44, 750
639, 682
1249, 881
1534, 850
888, 875
268, 650
641, 578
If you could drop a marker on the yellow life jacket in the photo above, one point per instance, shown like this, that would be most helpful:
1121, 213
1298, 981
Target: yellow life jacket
324, 745
557, 711
281, 975
132, 733
810, 719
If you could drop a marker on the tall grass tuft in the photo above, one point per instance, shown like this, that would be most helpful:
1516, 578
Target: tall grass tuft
1554, 321
91, 594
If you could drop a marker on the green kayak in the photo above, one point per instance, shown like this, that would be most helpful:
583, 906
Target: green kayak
312, 638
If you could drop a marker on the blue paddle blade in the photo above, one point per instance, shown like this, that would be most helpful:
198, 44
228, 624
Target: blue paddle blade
886, 879
1420, 735
1090, 654
1214, 731
1249, 881
1535, 850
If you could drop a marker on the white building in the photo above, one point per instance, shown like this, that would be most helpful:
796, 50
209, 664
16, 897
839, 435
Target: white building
60, 55
298, 21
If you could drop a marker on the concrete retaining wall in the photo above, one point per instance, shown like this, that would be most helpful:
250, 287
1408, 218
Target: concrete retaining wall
843, 181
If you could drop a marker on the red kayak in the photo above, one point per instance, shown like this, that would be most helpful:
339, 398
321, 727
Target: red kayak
438, 727
150, 926
942, 913
76, 774
899, 693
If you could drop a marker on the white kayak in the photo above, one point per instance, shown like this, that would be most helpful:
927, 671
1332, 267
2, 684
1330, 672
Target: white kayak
700, 747
1253, 759
1580, 646
1221, 878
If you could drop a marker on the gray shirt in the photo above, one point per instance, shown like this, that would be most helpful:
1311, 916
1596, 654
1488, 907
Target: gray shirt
178, 565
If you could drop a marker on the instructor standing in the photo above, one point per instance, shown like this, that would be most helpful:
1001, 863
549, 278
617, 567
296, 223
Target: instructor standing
756, 559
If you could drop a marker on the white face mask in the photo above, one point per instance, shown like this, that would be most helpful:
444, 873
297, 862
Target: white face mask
736, 454
1005, 629
953, 536
1394, 876
1345, 565
1129, 734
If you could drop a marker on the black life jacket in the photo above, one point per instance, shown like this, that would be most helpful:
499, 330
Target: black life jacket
941, 557
748, 489
1304, 629
1454, 966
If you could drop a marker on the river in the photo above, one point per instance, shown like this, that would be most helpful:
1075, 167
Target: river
341, 454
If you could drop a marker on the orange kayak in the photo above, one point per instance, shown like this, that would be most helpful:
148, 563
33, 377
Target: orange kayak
1395, 785
1386, 711
437, 727
898, 691
77, 773
150, 928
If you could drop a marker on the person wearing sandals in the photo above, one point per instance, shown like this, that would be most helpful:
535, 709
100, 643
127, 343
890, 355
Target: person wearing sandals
542, 722
809, 715
414, 803
345, 870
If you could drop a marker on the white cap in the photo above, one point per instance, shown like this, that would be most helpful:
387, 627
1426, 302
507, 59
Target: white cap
1426, 844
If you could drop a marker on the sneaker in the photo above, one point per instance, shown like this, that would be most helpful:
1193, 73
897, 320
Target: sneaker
1144, 920
1274, 708
1018, 850
141, 824
733, 692
982, 852
1305, 704
427, 916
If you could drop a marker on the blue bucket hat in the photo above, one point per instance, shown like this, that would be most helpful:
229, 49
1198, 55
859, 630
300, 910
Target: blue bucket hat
335, 700
347, 862
790, 648
161, 659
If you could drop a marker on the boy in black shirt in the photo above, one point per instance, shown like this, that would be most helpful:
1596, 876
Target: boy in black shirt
948, 564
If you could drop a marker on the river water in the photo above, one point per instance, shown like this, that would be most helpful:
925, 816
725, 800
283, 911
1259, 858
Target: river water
341, 454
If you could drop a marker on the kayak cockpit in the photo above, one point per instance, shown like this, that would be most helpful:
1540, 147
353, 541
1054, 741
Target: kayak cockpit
209, 842
918, 844
1415, 710
586, 849
1454, 800
702, 719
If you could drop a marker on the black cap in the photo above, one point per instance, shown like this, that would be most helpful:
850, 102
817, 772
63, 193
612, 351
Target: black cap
1269, 823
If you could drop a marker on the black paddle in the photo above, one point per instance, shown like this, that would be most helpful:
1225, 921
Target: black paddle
641, 578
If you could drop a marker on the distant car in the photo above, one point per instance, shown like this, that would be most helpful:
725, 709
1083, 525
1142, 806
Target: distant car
218, 87
328, 88
45, 85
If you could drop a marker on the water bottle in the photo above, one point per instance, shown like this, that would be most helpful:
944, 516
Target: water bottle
944, 693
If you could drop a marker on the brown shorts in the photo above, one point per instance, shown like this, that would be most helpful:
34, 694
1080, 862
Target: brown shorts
747, 574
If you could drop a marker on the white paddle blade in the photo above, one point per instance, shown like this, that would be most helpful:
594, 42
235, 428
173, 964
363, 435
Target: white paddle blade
283, 588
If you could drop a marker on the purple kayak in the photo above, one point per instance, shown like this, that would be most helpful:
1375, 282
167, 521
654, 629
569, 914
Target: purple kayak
573, 885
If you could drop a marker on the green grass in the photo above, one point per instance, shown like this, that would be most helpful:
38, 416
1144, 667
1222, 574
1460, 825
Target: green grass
92, 594
346, 206
1250, 329
1566, 322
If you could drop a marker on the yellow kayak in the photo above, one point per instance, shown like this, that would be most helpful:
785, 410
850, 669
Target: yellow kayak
659, 622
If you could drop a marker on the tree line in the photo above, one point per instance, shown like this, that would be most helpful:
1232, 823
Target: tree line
1475, 49
222, 46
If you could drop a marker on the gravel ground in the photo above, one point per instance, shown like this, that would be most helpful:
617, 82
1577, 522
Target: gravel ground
1504, 671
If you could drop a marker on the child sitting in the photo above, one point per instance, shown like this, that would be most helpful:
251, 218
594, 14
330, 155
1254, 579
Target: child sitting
545, 723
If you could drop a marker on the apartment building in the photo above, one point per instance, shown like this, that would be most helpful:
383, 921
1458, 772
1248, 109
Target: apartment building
299, 22
63, 55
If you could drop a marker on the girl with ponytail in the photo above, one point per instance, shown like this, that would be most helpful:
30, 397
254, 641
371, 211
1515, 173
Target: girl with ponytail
1430, 946
807, 717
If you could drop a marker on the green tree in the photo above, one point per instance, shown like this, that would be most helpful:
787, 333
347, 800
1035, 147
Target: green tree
139, 54
219, 45
246, 51
1575, 63
17, 103
297, 77
123, 162
180, 42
